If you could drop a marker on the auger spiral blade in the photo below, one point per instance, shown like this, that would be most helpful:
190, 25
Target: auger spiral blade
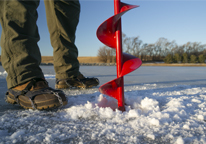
110, 33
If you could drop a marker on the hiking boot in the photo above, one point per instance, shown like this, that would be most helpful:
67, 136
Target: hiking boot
36, 94
78, 82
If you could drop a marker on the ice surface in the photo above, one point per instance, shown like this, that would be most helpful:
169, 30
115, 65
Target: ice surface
164, 105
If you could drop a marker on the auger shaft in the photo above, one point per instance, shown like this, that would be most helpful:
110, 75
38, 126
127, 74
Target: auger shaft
119, 57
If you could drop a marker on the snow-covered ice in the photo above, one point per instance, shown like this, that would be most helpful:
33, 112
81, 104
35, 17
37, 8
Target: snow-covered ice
164, 105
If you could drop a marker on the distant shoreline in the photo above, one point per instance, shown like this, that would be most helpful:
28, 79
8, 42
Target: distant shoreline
94, 61
144, 64
176, 64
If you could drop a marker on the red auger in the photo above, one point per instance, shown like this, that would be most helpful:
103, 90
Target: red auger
110, 33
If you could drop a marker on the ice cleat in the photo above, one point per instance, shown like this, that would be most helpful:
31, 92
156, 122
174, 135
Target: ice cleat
36, 94
78, 82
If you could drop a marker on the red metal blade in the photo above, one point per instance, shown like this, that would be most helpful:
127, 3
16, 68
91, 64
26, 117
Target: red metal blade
110, 88
106, 31
109, 33
130, 63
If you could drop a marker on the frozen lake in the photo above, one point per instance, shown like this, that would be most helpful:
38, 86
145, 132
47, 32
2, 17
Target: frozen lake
164, 105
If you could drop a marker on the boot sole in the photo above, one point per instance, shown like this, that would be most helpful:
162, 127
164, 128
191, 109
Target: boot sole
69, 87
40, 106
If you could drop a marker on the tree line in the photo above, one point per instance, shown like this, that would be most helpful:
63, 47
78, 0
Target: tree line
161, 50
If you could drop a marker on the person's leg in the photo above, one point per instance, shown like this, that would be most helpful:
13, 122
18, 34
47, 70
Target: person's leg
20, 53
21, 57
62, 20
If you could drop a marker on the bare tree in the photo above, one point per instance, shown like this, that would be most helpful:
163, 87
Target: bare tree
132, 45
102, 54
160, 48
106, 54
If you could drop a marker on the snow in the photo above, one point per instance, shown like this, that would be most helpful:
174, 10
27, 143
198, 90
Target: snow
180, 140
168, 109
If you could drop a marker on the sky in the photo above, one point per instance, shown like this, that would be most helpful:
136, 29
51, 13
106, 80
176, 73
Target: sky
179, 20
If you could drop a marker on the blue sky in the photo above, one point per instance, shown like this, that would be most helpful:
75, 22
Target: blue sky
182, 21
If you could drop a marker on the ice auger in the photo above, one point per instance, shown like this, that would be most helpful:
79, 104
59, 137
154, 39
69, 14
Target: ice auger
110, 33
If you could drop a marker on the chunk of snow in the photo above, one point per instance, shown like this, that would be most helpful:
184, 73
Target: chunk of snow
17, 134
186, 127
151, 136
154, 122
179, 141
200, 117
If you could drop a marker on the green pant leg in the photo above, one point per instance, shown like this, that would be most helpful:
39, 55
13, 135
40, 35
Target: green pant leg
20, 54
62, 20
